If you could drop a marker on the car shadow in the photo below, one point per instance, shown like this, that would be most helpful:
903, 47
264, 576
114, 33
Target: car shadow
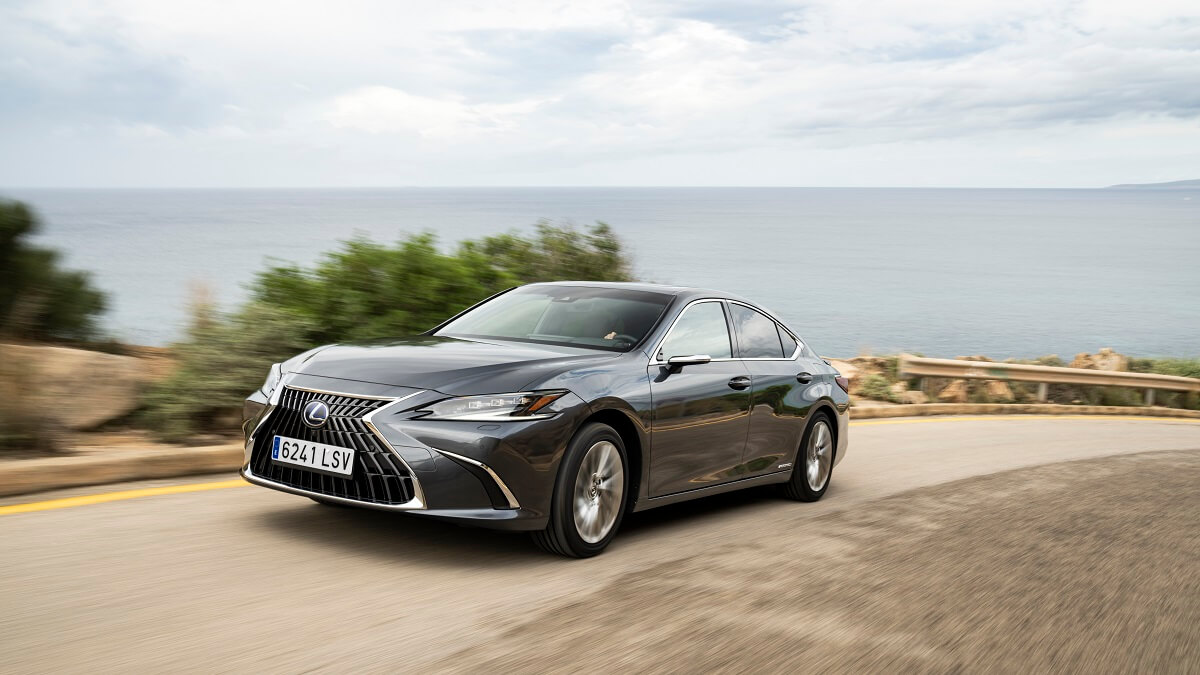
394, 536
729, 504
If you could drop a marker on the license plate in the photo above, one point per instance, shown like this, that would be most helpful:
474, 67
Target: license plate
316, 456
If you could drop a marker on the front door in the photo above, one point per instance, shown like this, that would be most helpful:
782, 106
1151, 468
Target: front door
701, 411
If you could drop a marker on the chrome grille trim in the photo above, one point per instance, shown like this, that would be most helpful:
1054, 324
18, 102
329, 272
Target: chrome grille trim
337, 425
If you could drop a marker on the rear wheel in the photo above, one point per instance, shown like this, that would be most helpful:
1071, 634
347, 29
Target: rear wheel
814, 462
589, 494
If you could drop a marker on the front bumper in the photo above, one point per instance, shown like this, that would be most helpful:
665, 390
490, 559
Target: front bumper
497, 475
502, 519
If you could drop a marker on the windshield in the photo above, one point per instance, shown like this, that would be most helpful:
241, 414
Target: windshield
580, 316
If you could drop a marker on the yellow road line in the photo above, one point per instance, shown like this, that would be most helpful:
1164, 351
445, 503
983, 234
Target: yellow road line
101, 498
997, 418
85, 500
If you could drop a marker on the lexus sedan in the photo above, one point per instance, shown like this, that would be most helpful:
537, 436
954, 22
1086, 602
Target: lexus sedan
555, 408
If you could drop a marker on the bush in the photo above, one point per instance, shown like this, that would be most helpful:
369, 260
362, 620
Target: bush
25, 428
876, 387
557, 253
223, 359
367, 290
362, 290
1180, 367
38, 300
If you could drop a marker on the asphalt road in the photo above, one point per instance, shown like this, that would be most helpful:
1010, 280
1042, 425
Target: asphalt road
245, 579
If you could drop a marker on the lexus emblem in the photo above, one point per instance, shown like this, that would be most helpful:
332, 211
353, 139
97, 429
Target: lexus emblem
315, 414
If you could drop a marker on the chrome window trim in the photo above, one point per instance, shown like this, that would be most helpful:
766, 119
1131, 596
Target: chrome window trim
416, 503
512, 500
654, 360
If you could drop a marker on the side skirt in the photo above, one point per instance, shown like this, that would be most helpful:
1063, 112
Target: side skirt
766, 479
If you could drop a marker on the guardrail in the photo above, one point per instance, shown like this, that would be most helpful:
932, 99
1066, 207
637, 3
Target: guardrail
917, 366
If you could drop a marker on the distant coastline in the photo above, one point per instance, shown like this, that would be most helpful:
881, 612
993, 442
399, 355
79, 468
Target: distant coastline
1172, 185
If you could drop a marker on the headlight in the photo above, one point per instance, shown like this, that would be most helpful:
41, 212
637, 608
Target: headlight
273, 378
495, 407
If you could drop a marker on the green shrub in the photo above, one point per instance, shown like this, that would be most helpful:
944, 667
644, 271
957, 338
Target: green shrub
1180, 367
366, 289
222, 360
39, 300
556, 253
1051, 360
1115, 396
1190, 400
1138, 365
876, 387
891, 368
25, 426
362, 290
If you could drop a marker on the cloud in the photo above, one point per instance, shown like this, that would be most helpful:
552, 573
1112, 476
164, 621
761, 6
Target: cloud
662, 92
386, 110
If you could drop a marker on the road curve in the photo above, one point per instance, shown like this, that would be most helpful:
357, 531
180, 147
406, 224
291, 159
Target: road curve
249, 579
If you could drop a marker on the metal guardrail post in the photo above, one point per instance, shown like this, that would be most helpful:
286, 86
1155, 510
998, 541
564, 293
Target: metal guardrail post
1149, 397
1043, 392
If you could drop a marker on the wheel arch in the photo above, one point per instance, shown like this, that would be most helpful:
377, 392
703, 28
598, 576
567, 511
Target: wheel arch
631, 436
826, 407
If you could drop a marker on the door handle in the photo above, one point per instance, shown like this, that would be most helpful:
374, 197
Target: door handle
740, 382
804, 378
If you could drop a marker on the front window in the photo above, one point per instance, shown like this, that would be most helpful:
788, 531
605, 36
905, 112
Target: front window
580, 316
701, 329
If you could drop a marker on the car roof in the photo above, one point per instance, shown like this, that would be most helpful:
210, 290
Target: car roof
628, 285
685, 293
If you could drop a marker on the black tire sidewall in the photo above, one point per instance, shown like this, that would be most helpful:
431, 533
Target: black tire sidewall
562, 518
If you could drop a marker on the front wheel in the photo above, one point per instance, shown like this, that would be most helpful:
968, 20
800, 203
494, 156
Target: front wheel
589, 494
814, 463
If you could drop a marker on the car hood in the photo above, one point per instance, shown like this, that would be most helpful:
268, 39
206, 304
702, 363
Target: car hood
445, 364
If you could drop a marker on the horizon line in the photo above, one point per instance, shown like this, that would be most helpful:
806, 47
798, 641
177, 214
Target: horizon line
574, 187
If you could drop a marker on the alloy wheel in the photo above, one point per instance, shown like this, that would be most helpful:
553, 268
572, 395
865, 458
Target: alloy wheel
599, 491
819, 456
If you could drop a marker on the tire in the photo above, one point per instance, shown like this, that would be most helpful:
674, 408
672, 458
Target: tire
809, 482
590, 494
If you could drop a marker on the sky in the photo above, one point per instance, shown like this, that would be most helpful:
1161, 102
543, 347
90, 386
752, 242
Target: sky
292, 93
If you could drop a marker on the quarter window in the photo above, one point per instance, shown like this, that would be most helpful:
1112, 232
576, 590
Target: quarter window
758, 336
701, 329
789, 342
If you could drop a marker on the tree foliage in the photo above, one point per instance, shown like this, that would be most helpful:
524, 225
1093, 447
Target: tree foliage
222, 360
361, 290
366, 289
38, 299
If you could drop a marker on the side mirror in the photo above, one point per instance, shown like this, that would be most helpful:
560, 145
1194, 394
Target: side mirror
676, 363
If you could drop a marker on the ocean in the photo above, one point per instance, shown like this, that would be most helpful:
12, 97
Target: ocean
944, 272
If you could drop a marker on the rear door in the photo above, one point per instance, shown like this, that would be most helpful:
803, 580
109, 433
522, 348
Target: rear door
701, 412
780, 396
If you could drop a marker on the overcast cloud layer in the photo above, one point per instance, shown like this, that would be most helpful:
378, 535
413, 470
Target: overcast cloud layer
292, 93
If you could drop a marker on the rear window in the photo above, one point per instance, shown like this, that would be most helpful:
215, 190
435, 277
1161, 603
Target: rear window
758, 336
789, 342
